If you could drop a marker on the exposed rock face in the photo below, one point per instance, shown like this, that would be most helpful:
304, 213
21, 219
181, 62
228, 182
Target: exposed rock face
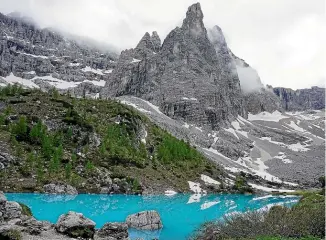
262, 100
185, 78
301, 99
258, 98
75, 225
32, 53
9, 210
2, 197
146, 220
112, 231
59, 189
5, 157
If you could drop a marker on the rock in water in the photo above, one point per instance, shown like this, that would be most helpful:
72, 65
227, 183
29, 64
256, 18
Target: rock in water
60, 189
146, 220
186, 78
75, 225
112, 231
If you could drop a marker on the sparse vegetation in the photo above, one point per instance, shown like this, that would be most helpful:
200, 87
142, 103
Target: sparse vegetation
26, 210
306, 220
69, 140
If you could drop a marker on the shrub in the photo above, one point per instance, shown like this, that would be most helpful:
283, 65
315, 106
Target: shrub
68, 170
25, 209
19, 129
305, 220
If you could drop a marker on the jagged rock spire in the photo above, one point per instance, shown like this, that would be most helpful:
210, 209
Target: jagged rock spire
149, 42
194, 21
156, 41
145, 42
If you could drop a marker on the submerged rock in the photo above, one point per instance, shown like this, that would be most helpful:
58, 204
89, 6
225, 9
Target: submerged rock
75, 225
59, 189
112, 231
147, 220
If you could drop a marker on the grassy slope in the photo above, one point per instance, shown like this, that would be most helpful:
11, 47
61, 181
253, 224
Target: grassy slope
55, 138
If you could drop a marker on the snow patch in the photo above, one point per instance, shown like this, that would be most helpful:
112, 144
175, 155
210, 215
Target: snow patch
207, 205
194, 198
58, 83
12, 79
267, 189
209, 180
35, 56
108, 71
296, 127
231, 130
191, 99
170, 192
195, 187
298, 147
100, 83
89, 69
134, 60
135, 106
156, 108
275, 116
282, 156
74, 64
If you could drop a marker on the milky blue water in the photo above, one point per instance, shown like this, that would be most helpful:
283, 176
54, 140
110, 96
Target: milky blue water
181, 214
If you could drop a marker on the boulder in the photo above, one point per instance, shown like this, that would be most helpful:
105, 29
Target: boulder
75, 225
10, 232
60, 189
10, 210
2, 197
146, 220
112, 231
35, 227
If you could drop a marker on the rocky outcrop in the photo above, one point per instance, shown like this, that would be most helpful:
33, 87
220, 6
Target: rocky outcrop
6, 159
15, 224
59, 189
32, 53
112, 231
75, 225
301, 99
258, 98
186, 78
146, 220
9, 210
262, 100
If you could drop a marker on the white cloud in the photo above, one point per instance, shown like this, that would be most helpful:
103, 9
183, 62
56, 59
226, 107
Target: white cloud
283, 40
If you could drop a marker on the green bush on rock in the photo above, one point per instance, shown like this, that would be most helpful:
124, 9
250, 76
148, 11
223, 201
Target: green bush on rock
25, 209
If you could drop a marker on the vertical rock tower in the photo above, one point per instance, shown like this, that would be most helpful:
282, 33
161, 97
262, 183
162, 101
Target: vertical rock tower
186, 77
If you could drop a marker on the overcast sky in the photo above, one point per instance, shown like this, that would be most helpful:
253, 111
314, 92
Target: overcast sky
283, 39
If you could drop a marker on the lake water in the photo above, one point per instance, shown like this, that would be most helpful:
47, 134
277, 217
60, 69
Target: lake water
181, 214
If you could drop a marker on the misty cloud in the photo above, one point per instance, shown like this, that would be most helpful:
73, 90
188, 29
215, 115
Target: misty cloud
282, 40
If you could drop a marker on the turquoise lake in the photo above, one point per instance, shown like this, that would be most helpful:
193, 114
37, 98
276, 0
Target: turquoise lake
181, 214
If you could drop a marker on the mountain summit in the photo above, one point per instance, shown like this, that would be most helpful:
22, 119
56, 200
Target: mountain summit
185, 78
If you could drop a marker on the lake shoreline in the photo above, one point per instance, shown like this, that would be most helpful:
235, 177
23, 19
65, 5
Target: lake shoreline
177, 212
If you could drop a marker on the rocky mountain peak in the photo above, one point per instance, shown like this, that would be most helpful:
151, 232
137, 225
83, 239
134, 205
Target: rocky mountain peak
156, 41
194, 21
145, 42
